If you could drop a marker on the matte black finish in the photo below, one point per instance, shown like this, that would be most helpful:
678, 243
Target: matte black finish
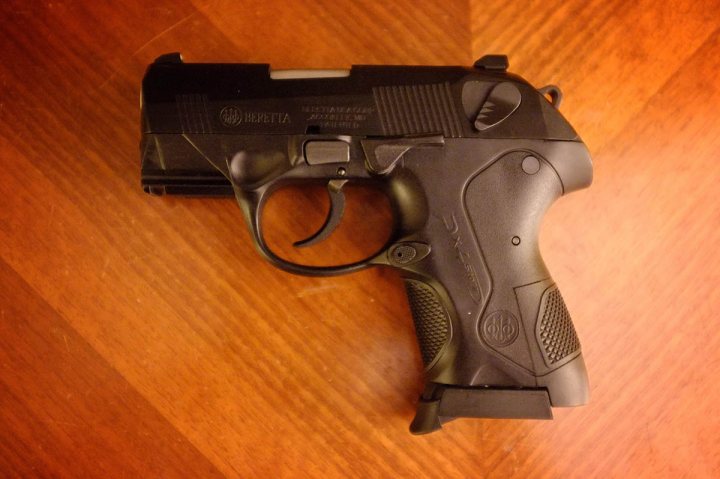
470, 158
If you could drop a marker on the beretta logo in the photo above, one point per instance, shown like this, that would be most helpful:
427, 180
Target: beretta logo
500, 328
231, 116
234, 116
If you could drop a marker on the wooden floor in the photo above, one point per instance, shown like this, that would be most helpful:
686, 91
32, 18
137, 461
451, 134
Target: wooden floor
144, 337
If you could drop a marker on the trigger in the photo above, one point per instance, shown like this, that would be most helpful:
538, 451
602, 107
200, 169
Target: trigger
337, 207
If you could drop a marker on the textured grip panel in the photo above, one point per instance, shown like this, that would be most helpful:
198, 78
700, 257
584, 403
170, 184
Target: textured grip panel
555, 330
432, 324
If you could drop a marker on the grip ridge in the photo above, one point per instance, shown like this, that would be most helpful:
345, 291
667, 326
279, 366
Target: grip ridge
432, 324
555, 329
417, 109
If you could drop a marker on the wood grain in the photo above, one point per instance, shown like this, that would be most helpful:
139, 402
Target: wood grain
144, 336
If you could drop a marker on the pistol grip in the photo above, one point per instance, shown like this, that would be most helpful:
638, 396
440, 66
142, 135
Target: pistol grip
494, 333
565, 384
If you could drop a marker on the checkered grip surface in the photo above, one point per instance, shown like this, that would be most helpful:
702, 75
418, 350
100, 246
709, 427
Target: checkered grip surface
430, 318
555, 329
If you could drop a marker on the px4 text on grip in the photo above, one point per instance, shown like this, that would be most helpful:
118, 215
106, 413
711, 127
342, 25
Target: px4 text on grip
470, 159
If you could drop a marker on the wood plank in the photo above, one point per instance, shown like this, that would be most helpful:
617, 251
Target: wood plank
65, 412
257, 372
610, 57
330, 34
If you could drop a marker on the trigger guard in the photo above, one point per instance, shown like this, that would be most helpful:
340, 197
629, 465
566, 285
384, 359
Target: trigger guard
251, 204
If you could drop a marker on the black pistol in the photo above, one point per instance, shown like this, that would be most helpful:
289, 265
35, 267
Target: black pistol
470, 159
